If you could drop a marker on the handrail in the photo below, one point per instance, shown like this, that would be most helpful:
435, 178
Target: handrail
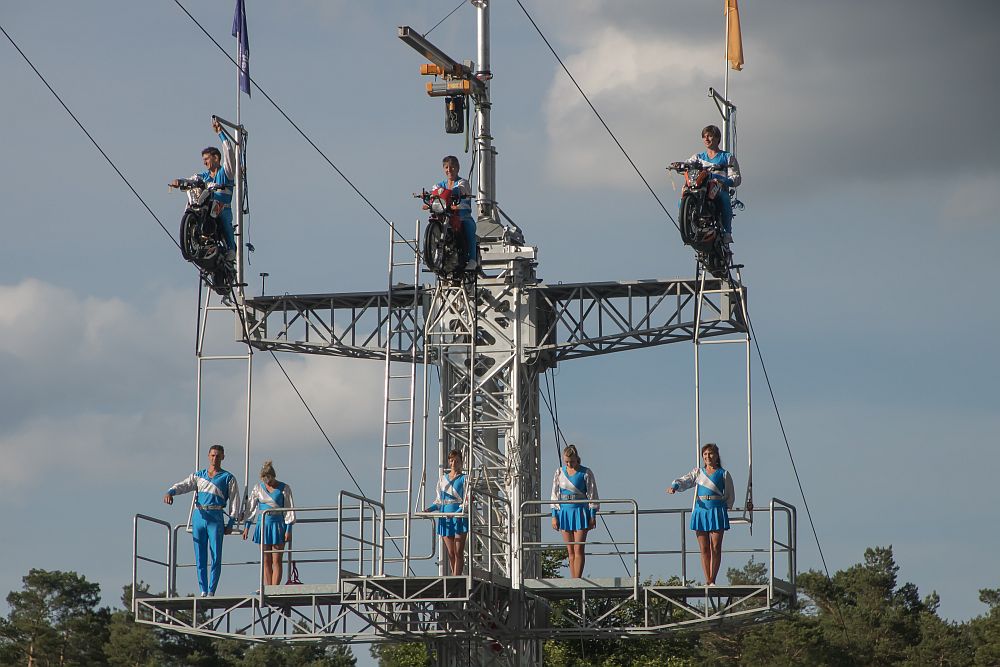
538, 546
169, 564
775, 546
376, 541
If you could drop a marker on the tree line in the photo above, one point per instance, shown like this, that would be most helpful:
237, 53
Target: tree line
861, 615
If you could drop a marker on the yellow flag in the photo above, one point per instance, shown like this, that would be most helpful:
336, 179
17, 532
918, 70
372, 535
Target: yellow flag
734, 45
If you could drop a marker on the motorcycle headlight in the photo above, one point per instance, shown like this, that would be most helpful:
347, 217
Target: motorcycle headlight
437, 205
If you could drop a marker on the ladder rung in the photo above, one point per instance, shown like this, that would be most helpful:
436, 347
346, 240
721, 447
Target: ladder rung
407, 398
397, 491
400, 444
394, 422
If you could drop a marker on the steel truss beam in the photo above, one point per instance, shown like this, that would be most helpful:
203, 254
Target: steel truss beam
580, 319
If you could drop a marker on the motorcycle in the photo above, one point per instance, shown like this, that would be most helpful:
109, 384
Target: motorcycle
701, 217
202, 240
445, 247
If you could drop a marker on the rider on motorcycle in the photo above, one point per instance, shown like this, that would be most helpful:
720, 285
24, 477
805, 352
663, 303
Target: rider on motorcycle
461, 195
719, 161
219, 168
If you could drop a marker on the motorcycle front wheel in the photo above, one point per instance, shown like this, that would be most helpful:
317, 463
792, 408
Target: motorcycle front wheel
689, 219
189, 235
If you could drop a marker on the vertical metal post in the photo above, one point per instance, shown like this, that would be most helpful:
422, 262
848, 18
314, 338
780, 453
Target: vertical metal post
725, 115
486, 194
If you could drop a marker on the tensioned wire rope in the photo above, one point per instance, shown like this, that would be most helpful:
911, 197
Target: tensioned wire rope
552, 405
598, 114
89, 136
174, 241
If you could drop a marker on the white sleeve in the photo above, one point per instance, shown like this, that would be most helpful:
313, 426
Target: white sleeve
251, 509
555, 489
235, 502
228, 156
186, 485
592, 489
730, 491
289, 516
687, 481
734, 171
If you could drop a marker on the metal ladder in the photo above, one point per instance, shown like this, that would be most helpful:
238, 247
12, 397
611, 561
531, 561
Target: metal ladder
402, 327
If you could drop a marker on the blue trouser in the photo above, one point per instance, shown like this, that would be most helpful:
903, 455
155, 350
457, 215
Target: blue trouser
471, 242
725, 210
208, 528
226, 218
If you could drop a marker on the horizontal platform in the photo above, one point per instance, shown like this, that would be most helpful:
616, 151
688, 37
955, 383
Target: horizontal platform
569, 587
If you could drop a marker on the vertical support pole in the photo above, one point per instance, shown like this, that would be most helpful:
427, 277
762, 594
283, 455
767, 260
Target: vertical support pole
486, 155
246, 438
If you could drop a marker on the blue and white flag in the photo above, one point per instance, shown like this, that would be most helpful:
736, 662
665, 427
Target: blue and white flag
243, 57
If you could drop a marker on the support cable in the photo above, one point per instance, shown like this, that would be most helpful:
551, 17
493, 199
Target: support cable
599, 117
318, 425
791, 458
304, 135
446, 17
92, 140
553, 409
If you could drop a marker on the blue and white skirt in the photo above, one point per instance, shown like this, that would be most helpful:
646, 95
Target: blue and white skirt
274, 529
574, 517
710, 516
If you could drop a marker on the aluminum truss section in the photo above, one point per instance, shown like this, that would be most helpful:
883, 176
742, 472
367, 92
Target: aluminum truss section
587, 319
573, 320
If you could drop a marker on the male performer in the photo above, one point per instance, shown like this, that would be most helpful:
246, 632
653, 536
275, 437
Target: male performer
217, 494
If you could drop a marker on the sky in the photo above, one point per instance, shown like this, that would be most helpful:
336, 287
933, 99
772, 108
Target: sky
868, 240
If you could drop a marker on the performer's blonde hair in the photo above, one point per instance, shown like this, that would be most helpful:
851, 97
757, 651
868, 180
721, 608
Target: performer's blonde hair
570, 450
267, 471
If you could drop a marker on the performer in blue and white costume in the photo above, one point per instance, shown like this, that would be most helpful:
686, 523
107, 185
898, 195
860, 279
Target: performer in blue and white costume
451, 498
724, 168
461, 193
220, 166
573, 481
710, 516
218, 494
270, 494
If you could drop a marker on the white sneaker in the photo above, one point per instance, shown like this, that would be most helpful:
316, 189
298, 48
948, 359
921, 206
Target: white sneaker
203, 594
727, 238
472, 265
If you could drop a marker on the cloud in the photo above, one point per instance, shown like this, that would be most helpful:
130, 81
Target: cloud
831, 94
98, 384
968, 203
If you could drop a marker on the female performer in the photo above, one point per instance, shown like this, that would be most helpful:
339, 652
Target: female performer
572, 481
269, 494
710, 517
451, 498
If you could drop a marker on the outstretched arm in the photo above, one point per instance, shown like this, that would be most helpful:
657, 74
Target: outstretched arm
186, 485
684, 483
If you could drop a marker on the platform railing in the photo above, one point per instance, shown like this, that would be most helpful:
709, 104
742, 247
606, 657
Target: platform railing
777, 546
632, 510
167, 564
370, 550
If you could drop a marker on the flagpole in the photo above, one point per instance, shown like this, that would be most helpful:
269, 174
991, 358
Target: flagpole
725, 116
238, 189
